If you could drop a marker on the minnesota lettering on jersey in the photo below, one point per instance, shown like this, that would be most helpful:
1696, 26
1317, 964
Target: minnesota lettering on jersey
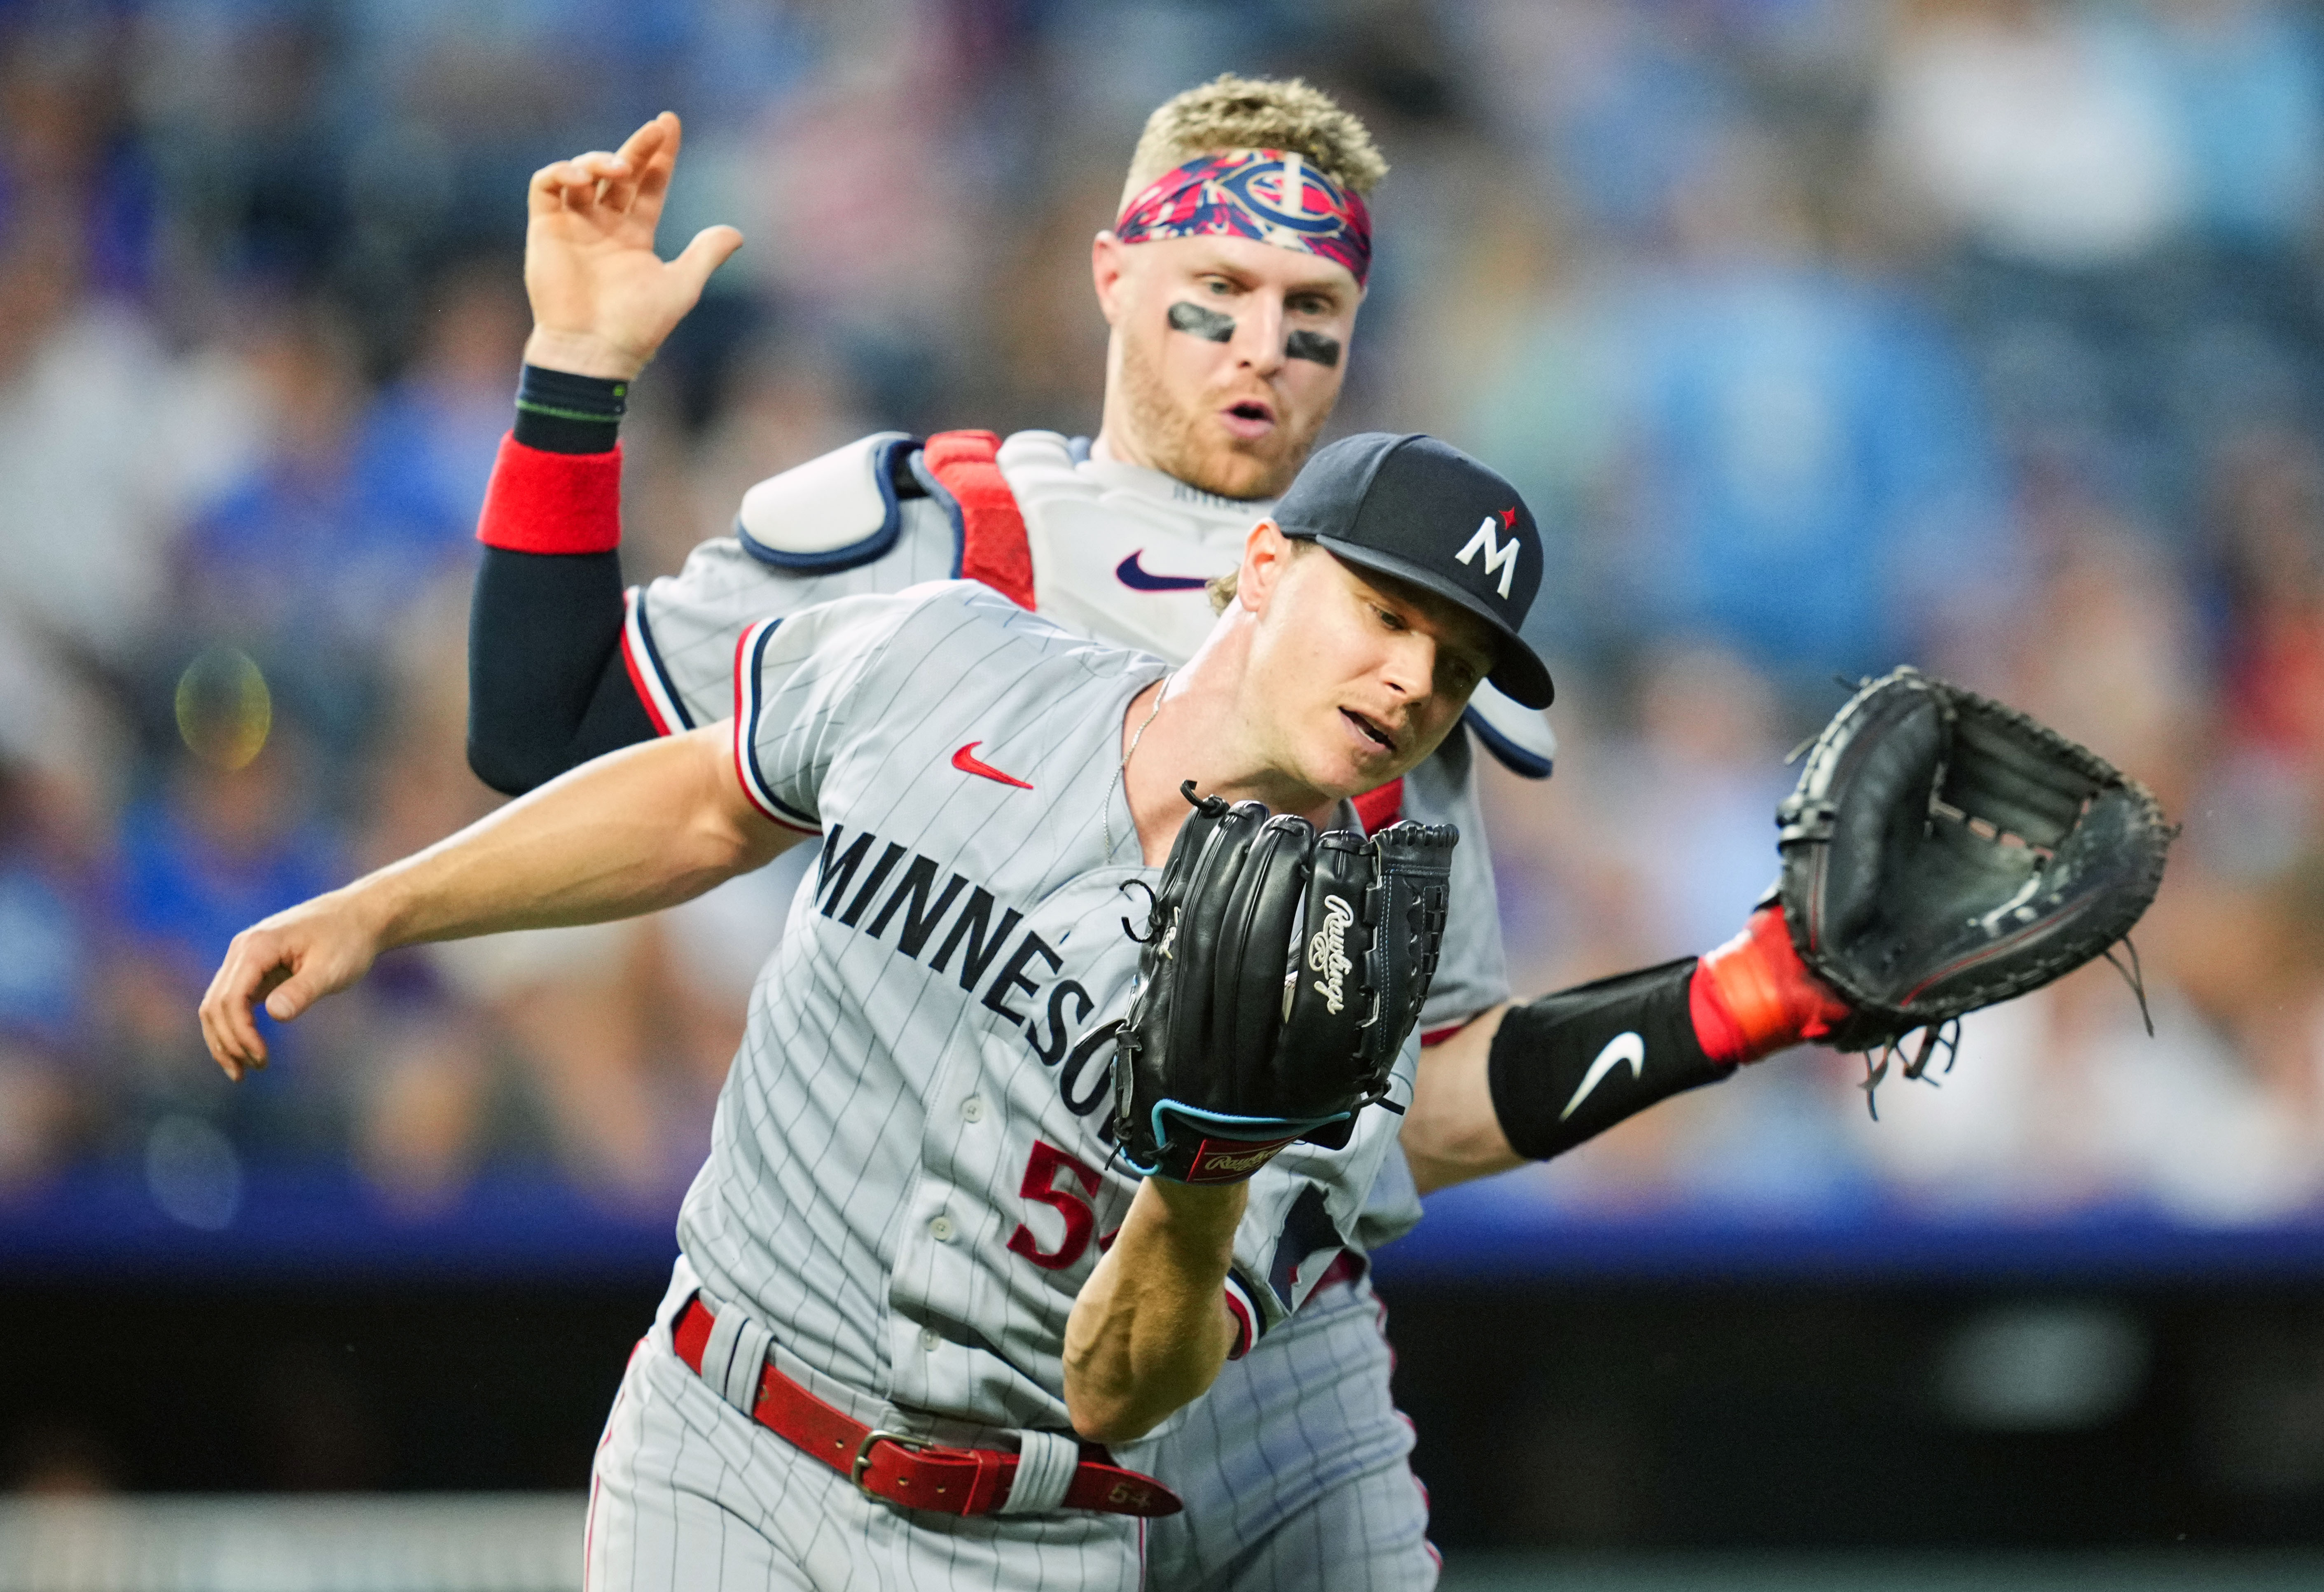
914, 906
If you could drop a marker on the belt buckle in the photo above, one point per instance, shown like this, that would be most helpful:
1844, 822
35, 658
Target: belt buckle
863, 1455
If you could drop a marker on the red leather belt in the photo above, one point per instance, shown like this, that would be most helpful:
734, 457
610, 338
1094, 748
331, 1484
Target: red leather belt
909, 1470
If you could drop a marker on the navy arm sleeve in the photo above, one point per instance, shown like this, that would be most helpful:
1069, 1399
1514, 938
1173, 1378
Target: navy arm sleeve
547, 687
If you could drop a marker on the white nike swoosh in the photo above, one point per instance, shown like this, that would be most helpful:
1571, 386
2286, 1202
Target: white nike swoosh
1625, 1046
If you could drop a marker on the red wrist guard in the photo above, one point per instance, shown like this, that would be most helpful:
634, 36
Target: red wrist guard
546, 503
1753, 996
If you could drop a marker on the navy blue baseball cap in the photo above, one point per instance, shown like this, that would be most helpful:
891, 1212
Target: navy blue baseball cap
1422, 511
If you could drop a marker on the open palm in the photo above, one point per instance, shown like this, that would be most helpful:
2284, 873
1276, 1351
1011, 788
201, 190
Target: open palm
602, 300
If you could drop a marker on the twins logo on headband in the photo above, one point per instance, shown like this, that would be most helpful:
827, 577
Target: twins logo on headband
1265, 194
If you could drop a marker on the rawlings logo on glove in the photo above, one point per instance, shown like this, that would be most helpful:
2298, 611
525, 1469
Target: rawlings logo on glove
1327, 951
1229, 1054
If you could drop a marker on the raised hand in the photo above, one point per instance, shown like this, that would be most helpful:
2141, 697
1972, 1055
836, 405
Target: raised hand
602, 300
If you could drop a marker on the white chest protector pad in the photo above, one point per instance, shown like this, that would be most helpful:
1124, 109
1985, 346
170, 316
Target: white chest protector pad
832, 513
1122, 552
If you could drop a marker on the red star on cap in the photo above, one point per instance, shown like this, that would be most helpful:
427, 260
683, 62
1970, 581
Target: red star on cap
1509, 519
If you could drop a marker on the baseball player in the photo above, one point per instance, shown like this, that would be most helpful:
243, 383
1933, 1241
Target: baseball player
1233, 291
913, 1273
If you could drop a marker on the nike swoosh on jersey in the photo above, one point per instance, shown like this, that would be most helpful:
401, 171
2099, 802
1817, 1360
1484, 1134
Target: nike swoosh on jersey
1136, 576
967, 764
1625, 1046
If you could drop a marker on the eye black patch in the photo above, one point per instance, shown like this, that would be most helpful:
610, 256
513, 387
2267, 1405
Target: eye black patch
1209, 325
1315, 346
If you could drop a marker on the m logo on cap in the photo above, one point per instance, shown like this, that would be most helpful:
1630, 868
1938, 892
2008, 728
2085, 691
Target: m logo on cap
1497, 557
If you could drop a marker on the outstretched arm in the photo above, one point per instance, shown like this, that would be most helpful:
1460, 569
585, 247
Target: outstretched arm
1529, 1082
1149, 1331
640, 830
547, 686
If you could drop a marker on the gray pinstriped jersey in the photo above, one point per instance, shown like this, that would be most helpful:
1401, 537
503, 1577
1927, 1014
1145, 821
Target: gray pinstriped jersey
908, 1178
1094, 528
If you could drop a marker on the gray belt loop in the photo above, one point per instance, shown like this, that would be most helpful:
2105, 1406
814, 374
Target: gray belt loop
1046, 1463
736, 1354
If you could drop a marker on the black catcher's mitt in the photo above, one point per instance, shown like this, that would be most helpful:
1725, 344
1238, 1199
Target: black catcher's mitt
1283, 970
1943, 851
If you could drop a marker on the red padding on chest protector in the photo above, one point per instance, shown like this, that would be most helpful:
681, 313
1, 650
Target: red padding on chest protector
993, 550
543, 502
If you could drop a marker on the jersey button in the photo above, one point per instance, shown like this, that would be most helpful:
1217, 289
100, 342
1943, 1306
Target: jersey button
972, 1109
940, 1229
928, 1339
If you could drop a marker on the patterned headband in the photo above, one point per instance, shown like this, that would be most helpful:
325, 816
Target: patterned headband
1254, 193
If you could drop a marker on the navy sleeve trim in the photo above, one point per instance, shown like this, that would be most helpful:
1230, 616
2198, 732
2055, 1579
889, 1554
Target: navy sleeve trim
749, 655
1250, 1325
661, 699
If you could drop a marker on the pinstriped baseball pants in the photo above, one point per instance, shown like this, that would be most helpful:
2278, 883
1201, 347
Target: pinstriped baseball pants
1293, 1468
689, 1495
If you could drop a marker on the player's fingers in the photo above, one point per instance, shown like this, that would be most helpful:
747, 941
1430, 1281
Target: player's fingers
712, 247
227, 1026
618, 187
601, 165
598, 173
558, 185
651, 145
654, 172
545, 194
291, 989
224, 1050
570, 184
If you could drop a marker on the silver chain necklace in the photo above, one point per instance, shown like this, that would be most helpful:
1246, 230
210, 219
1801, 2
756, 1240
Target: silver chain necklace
1122, 773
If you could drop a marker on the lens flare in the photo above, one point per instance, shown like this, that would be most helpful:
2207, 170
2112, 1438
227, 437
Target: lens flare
224, 708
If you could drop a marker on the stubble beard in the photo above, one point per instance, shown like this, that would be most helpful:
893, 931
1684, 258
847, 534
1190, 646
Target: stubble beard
1180, 440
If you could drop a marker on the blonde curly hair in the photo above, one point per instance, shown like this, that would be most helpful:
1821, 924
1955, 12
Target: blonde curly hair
1231, 112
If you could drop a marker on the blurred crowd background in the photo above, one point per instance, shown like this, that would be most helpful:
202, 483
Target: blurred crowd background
1823, 335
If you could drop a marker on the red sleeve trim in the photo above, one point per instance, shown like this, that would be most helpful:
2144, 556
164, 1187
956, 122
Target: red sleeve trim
1246, 1329
645, 692
538, 502
637, 657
